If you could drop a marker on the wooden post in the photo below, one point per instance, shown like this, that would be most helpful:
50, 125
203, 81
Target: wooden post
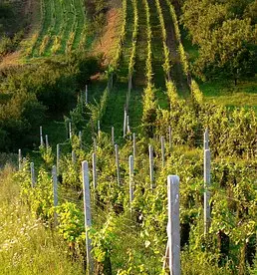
99, 128
41, 137
170, 137
94, 170
73, 157
113, 137
125, 123
55, 190
128, 126
87, 213
80, 139
131, 180
20, 159
151, 166
86, 95
58, 158
207, 182
117, 163
173, 225
134, 146
163, 151
70, 131
206, 139
32, 171
47, 143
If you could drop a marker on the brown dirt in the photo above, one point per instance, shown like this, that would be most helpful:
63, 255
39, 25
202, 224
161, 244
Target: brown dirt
10, 60
106, 42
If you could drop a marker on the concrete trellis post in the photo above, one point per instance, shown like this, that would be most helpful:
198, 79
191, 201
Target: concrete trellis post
73, 157
99, 128
70, 131
131, 180
207, 182
113, 137
125, 123
55, 190
32, 171
163, 151
170, 137
206, 139
80, 139
128, 126
47, 143
117, 163
94, 170
41, 137
87, 213
58, 158
20, 159
134, 146
151, 166
94, 145
173, 225
86, 95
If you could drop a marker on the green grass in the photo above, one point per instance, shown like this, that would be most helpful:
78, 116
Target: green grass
27, 247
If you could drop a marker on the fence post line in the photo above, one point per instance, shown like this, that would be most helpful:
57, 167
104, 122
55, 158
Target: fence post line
41, 137
128, 126
151, 166
57, 158
134, 146
87, 213
117, 163
163, 151
94, 170
86, 95
55, 190
173, 225
80, 139
32, 171
125, 123
70, 131
113, 137
207, 182
131, 180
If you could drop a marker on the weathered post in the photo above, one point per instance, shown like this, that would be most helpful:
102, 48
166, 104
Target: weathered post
55, 190
170, 137
32, 171
80, 139
117, 163
125, 123
173, 225
47, 143
163, 151
99, 128
73, 157
134, 146
128, 126
87, 213
58, 158
94, 170
151, 166
41, 137
207, 182
86, 95
70, 131
113, 137
206, 139
131, 180
20, 159
94, 145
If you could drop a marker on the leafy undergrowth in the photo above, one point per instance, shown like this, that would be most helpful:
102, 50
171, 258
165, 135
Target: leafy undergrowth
27, 245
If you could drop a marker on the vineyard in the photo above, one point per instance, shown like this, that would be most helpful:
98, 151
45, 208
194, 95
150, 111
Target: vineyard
140, 175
